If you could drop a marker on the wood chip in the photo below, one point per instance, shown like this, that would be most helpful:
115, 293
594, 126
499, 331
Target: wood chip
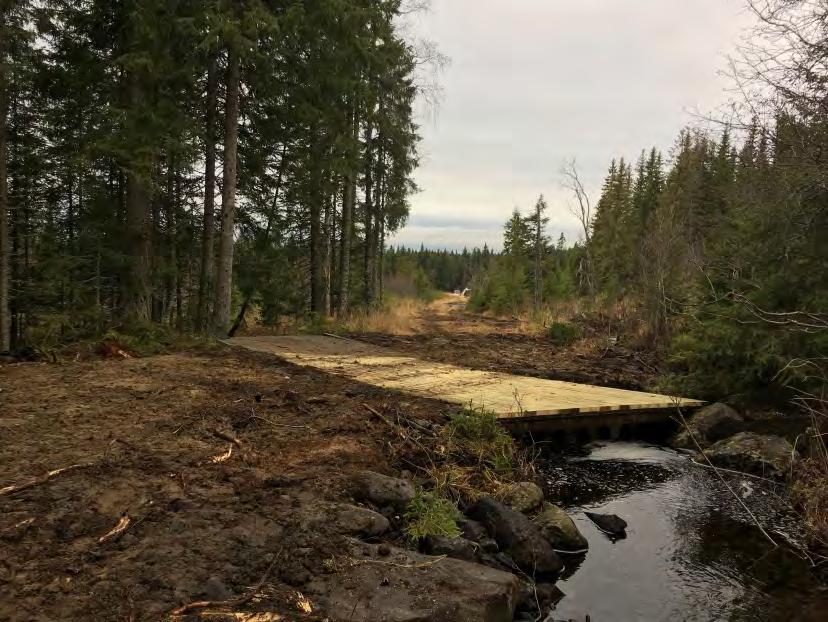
222, 457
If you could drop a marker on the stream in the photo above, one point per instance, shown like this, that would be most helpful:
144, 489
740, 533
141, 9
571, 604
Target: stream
692, 552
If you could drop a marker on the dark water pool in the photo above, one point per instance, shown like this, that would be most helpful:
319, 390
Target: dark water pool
692, 552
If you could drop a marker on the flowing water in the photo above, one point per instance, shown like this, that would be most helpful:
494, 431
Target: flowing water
692, 552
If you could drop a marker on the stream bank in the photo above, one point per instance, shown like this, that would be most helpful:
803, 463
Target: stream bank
234, 474
691, 552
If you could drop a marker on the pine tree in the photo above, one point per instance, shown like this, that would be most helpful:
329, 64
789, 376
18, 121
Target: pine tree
224, 271
111, 135
5, 239
537, 223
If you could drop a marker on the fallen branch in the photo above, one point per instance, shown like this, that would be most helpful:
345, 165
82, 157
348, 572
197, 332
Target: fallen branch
117, 530
357, 562
36, 481
226, 437
222, 457
233, 602
277, 425
378, 414
721, 477
17, 530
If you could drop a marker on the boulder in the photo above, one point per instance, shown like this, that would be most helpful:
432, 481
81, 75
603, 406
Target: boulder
536, 598
458, 548
708, 425
356, 521
559, 529
411, 587
609, 523
383, 491
343, 519
523, 497
472, 530
488, 545
516, 535
761, 454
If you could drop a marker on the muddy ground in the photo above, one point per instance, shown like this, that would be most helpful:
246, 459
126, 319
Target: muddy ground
151, 436
212, 460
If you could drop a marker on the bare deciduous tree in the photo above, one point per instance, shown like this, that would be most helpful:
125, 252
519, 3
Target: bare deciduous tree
583, 212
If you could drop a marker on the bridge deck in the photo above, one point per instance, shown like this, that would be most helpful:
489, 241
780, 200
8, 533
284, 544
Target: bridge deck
509, 396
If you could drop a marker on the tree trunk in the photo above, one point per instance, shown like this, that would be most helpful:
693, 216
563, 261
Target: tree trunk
368, 258
327, 254
381, 263
538, 251
316, 195
347, 226
224, 273
136, 284
5, 250
137, 281
171, 241
205, 279
379, 224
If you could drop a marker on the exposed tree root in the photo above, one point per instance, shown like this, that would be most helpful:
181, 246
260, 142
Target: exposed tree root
233, 602
36, 481
117, 530
226, 437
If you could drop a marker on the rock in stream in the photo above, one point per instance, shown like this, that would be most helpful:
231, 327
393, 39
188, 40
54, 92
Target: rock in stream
559, 529
518, 536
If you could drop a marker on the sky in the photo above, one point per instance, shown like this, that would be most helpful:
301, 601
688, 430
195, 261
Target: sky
533, 83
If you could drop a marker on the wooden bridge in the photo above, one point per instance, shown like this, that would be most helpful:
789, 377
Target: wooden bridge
514, 399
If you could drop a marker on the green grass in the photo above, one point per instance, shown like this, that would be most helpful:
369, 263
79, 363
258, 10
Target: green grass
562, 333
146, 339
431, 515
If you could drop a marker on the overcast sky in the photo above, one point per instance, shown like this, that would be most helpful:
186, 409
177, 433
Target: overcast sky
532, 83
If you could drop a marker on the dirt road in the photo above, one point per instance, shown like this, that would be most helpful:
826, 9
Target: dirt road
448, 333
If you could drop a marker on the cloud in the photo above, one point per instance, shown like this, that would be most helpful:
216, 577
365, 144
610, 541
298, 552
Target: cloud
535, 82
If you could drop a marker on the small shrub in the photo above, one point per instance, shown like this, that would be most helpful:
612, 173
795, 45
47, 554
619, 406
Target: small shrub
431, 515
316, 324
477, 434
562, 333
143, 338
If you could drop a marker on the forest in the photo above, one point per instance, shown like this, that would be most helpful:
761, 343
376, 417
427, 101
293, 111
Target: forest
171, 165
716, 251
165, 164
719, 250
228, 391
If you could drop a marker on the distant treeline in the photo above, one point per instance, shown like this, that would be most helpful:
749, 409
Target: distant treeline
422, 270
720, 249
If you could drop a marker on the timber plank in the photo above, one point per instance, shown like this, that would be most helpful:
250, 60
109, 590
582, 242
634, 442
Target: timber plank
509, 396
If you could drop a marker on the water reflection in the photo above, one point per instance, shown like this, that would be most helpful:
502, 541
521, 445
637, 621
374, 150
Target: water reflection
691, 553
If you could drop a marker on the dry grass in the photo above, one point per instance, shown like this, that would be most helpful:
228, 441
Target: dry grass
457, 482
810, 491
609, 315
810, 485
398, 316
